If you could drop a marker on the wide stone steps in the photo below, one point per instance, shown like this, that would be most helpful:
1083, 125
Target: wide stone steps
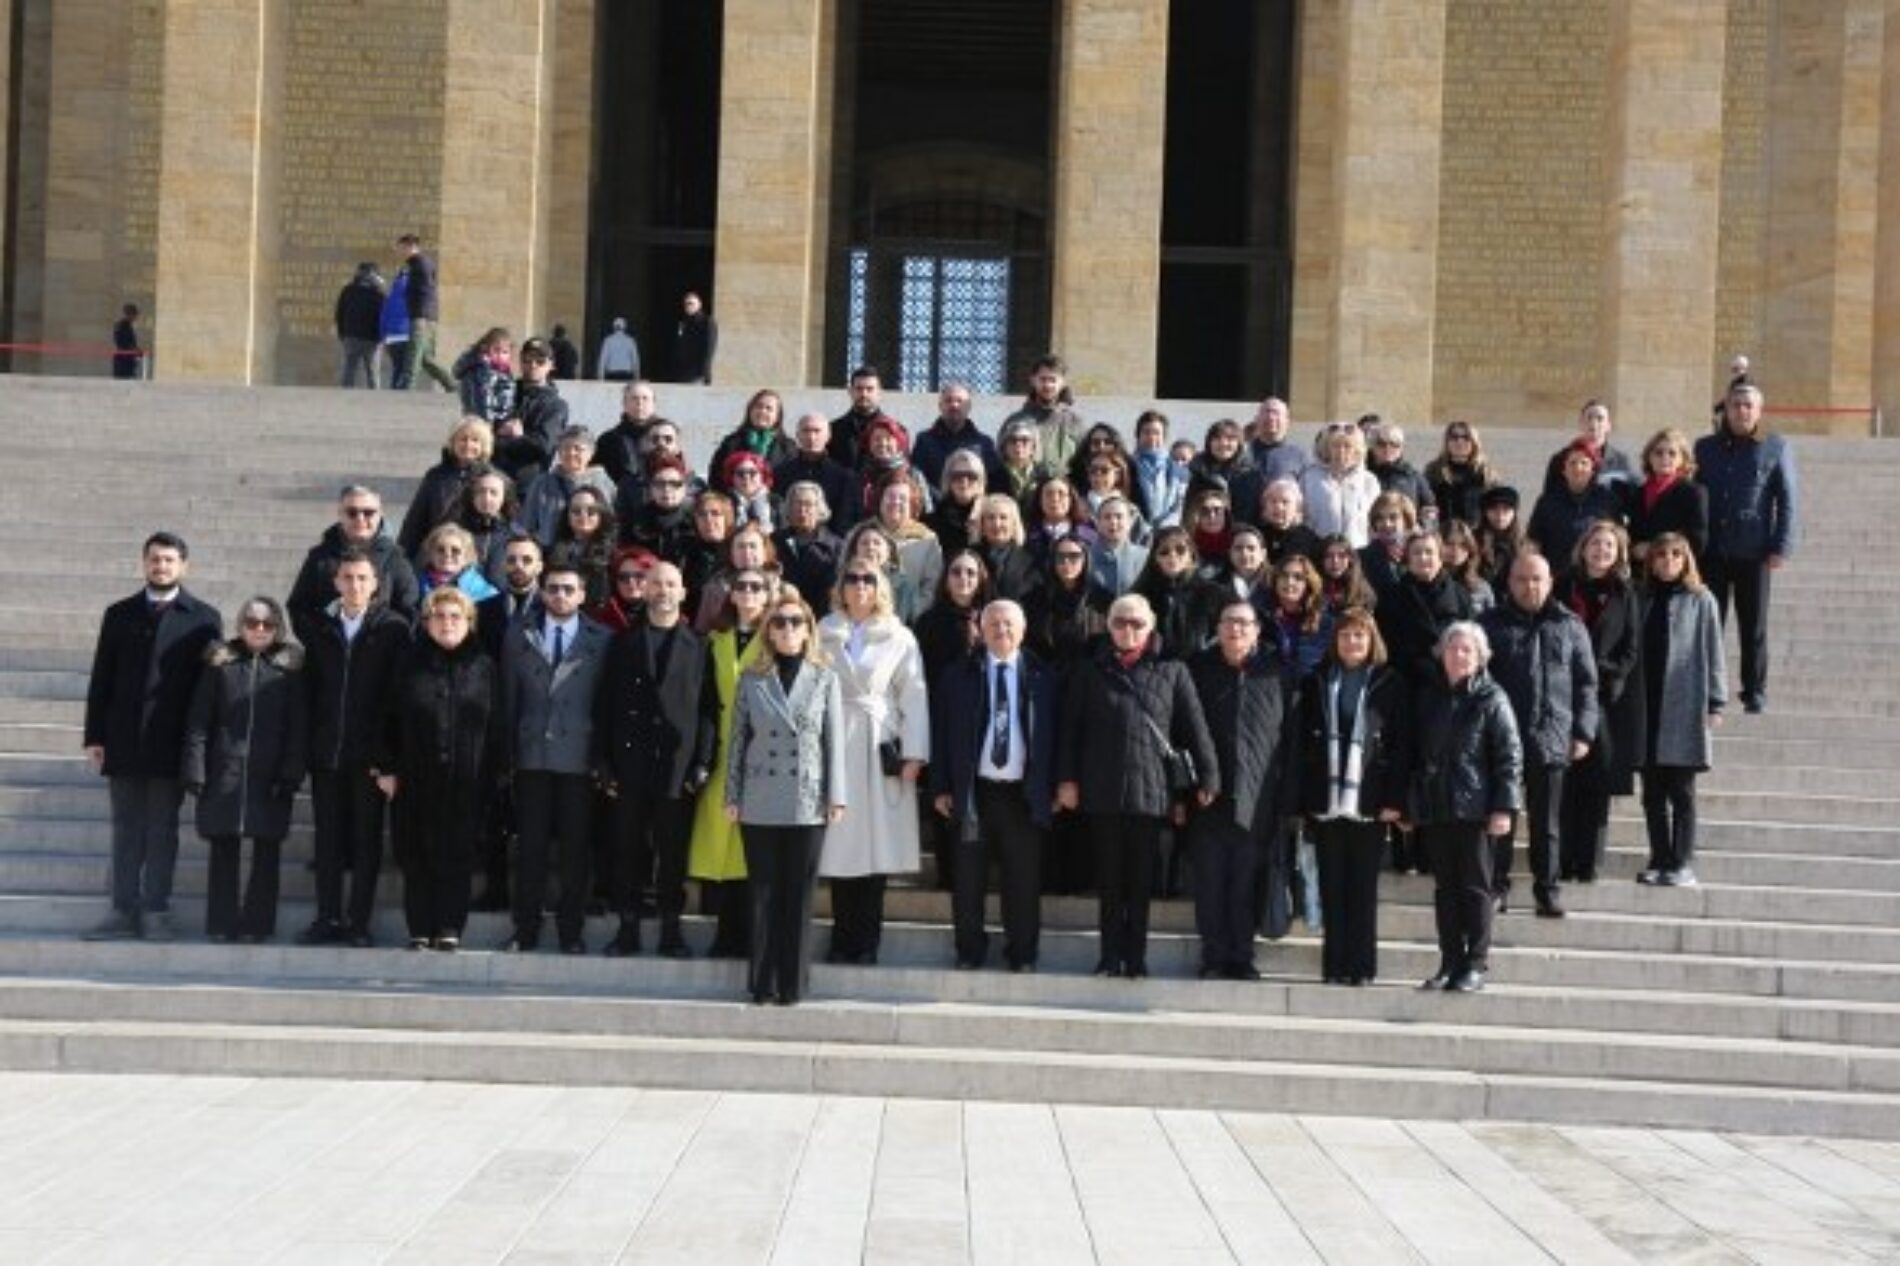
940, 1060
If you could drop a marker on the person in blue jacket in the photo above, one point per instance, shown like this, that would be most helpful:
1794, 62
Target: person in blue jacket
1750, 476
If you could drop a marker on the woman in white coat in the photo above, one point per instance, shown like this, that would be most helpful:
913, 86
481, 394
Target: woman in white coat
1340, 493
887, 719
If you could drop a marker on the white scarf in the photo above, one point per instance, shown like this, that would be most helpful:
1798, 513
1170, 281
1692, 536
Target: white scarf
1344, 762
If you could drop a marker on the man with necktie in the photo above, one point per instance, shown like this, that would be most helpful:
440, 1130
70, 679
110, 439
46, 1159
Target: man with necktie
994, 779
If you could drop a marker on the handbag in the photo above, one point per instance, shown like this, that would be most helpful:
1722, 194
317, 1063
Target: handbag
1177, 763
890, 754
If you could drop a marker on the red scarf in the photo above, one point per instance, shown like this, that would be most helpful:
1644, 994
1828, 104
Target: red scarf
1653, 489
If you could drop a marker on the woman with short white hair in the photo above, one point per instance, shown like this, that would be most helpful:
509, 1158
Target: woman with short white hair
1339, 493
1465, 777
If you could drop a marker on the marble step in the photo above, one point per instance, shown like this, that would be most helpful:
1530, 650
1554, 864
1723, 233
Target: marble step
818, 1067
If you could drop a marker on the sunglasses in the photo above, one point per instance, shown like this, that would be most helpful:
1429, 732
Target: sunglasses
581, 508
626, 577
1068, 556
747, 472
964, 477
859, 578
787, 622
252, 622
669, 483
748, 586
360, 512
1458, 435
1128, 622
1171, 551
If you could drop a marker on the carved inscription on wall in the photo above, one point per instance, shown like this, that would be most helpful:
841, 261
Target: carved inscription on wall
1521, 208
362, 157
1744, 209
140, 149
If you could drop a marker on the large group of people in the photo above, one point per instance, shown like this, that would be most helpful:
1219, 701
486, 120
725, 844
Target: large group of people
1251, 669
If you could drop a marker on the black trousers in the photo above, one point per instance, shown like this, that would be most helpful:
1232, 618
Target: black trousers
1226, 857
1125, 845
554, 814
1585, 817
1069, 856
144, 842
257, 914
497, 837
349, 812
1747, 581
781, 865
1669, 813
436, 830
857, 919
1006, 831
646, 830
1461, 867
1543, 809
731, 904
1348, 854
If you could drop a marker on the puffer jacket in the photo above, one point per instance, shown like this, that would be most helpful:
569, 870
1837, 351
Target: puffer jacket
1251, 716
244, 742
1108, 746
1544, 662
1752, 503
1467, 761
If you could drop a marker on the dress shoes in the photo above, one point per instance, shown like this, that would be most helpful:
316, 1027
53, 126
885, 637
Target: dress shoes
1471, 980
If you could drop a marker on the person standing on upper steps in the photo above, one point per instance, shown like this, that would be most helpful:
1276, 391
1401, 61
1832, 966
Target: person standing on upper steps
1750, 475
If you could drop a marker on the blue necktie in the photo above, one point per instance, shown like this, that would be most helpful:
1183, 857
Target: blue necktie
999, 725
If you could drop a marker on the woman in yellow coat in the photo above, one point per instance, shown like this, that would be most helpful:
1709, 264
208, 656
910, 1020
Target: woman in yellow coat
717, 855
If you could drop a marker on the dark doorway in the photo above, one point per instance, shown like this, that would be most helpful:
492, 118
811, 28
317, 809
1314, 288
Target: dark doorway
939, 238
655, 198
1226, 220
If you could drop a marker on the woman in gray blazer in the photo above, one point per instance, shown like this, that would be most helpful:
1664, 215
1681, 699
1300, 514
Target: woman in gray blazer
784, 786
1685, 684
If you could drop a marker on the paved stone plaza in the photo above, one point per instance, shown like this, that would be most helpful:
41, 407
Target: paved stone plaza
160, 1169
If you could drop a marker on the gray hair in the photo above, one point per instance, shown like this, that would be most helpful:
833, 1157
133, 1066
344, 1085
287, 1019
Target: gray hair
1470, 630
1006, 606
962, 459
1291, 486
1132, 604
1389, 431
806, 485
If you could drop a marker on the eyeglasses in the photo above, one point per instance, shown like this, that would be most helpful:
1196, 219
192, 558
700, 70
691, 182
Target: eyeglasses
787, 622
1171, 551
748, 586
1238, 621
1128, 622
585, 510
669, 483
860, 578
964, 477
252, 622
1068, 556
360, 512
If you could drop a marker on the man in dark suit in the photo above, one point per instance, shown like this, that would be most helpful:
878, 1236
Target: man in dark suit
994, 778
151, 650
658, 717
550, 670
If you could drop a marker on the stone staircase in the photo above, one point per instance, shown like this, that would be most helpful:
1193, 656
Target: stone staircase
1767, 999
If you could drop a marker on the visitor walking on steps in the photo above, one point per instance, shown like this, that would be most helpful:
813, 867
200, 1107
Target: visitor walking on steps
422, 295
359, 322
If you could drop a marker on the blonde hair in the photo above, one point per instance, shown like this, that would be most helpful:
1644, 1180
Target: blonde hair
449, 532
1614, 530
884, 602
788, 596
479, 428
1670, 437
1658, 545
448, 596
1002, 501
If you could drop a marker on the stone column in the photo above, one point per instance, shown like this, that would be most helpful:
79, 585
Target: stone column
1315, 219
216, 318
573, 166
1664, 160
775, 91
1111, 129
497, 165
1385, 206
1823, 151
6, 137
1886, 357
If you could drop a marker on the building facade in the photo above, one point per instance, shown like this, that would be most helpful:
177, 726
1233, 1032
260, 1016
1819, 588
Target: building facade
1429, 208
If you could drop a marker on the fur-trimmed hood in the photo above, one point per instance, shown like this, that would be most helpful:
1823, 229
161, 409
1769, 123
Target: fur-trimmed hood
285, 655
